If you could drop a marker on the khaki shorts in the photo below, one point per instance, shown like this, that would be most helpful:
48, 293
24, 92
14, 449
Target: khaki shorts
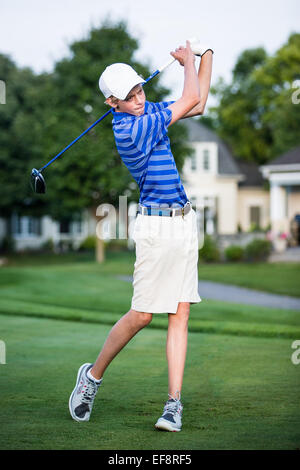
166, 266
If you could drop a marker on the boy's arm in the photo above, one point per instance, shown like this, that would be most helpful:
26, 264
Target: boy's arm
204, 77
191, 93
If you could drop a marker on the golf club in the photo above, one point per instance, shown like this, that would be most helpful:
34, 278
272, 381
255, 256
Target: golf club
37, 180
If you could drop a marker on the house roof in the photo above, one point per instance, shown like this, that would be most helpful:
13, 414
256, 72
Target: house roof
288, 163
253, 176
200, 133
288, 158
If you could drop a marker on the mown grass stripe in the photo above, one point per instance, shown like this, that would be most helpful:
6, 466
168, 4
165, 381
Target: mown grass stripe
38, 310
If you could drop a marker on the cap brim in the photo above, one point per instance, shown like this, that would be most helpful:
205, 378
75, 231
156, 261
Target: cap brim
123, 95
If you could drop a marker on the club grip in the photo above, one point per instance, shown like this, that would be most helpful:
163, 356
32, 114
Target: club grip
166, 64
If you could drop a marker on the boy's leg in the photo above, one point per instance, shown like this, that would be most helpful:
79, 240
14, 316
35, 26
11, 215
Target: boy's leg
176, 347
83, 395
176, 353
121, 333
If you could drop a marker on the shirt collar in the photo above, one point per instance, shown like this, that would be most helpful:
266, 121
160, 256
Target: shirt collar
118, 116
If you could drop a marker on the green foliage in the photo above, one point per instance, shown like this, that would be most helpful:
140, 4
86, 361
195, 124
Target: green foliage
258, 250
117, 245
20, 138
92, 172
210, 251
254, 227
44, 113
89, 243
48, 246
234, 253
255, 114
7, 245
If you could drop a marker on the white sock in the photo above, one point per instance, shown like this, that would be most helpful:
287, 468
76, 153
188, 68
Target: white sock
90, 376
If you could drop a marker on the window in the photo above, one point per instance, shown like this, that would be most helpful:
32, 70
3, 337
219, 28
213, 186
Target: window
26, 225
193, 201
77, 227
255, 215
206, 165
34, 226
193, 163
65, 226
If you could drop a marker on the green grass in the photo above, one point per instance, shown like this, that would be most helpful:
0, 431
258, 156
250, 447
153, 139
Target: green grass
279, 278
241, 390
238, 393
91, 293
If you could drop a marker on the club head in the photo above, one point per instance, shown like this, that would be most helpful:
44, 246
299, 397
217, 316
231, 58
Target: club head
37, 182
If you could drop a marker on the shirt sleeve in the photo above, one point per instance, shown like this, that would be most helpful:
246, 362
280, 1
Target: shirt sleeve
149, 129
161, 105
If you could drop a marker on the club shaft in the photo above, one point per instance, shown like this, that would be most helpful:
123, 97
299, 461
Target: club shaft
102, 117
75, 140
160, 70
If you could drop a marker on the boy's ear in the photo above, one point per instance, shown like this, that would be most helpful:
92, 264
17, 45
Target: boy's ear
113, 102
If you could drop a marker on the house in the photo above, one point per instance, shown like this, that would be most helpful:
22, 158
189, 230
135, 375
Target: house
30, 232
283, 174
231, 197
253, 198
231, 192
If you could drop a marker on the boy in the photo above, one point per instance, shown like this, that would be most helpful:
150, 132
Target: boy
165, 276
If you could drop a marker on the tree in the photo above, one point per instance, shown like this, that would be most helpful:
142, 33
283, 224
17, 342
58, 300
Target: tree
55, 108
276, 77
92, 172
255, 114
19, 140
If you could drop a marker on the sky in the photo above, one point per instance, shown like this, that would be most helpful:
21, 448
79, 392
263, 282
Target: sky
37, 33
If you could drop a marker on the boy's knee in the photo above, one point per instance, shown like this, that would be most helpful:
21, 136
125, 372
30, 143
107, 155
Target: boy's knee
142, 318
182, 314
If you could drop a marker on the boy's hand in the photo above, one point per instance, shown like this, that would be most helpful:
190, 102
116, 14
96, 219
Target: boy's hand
184, 54
199, 48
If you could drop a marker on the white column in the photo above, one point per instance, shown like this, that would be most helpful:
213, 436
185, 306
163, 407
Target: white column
277, 202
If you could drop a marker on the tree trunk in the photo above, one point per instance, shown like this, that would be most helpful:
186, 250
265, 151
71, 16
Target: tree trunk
100, 249
100, 252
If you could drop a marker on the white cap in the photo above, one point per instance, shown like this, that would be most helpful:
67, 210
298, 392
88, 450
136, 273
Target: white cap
118, 79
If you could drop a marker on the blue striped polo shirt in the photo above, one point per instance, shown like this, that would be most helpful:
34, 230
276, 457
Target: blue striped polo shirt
144, 147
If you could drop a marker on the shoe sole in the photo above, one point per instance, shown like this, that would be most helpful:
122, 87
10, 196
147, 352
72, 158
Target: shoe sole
72, 394
166, 426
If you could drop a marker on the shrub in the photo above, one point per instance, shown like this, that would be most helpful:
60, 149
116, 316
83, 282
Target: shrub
117, 245
48, 245
7, 245
210, 251
254, 227
258, 250
88, 244
234, 253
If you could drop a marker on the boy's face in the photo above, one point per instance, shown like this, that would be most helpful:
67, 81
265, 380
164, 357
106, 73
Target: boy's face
133, 104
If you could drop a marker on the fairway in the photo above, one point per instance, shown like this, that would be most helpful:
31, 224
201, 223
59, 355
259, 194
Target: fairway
239, 392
